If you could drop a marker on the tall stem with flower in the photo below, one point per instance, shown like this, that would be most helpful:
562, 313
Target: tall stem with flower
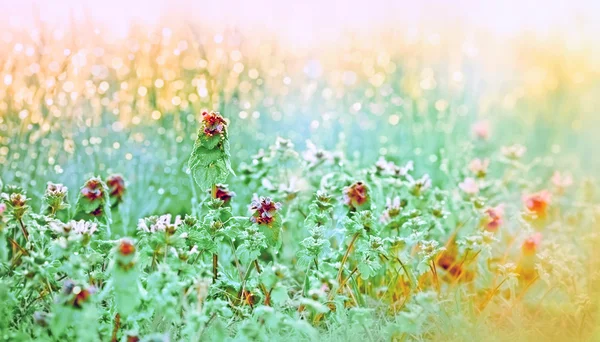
210, 159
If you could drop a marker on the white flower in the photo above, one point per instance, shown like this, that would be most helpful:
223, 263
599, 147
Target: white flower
154, 224
389, 168
80, 227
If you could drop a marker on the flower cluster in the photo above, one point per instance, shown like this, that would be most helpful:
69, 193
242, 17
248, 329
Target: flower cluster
93, 189
161, 223
264, 210
213, 123
385, 167
56, 190
80, 227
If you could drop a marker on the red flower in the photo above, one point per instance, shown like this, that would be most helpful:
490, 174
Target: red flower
356, 195
116, 186
126, 247
92, 189
223, 193
531, 244
213, 123
264, 210
537, 203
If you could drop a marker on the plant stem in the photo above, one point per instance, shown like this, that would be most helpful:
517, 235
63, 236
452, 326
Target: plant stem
215, 257
354, 238
215, 264
347, 278
24, 229
116, 328
262, 286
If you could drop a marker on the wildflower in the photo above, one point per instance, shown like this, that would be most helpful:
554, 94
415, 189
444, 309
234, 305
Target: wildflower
56, 190
161, 223
18, 203
92, 189
469, 186
538, 202
2, 208
18, 200
356, 195
264, 210
116, 187
389, 168
481, 130
479, 167
77, 296
417, 187
126, 247
81, 296
81, 227
531, 244
494, 218
515, 151
314, 156
55, 198
93, 201
213, 123
223, 193
392, 209
561, 182
383, 165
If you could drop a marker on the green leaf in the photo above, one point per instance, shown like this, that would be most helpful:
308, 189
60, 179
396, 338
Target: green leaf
207, 175
279, 295
209, 161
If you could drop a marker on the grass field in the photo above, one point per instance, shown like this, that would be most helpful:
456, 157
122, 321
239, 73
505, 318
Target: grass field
187, 183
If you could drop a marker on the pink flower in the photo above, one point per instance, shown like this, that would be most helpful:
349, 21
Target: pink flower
495, 218
469, 186
481, 130
562, 181
92, 189
479, 167
2, 208
531, 244
264, 210
538, 202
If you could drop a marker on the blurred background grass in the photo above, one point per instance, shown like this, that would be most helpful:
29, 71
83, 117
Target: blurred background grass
85, 93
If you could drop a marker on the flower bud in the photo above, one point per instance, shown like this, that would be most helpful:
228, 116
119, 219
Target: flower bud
116, 188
